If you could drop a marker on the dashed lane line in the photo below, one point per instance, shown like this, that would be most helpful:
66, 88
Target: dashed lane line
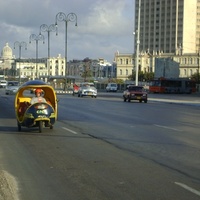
188, 188
71, 131
167, 127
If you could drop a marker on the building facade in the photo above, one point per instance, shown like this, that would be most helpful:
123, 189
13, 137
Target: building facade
168, 25
43, 68
26, 69
188, 63
167, 29
98, 68
29, 69
124, 65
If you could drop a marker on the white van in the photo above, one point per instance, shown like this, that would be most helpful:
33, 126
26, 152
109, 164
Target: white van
111, 87
3, 83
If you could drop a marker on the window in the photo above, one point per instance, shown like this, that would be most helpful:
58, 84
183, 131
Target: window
126, 72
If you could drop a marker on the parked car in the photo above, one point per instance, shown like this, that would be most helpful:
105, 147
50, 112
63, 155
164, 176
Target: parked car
87, 90
12, 87
3, 83
135, 93
111, 87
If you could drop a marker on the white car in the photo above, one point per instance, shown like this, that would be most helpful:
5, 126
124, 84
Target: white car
3, 83
12, 87
87, 90
111, 87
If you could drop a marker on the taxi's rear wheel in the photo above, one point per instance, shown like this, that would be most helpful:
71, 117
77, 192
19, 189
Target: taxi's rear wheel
40, 126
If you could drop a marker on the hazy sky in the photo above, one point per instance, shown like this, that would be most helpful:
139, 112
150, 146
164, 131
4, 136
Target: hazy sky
104, 27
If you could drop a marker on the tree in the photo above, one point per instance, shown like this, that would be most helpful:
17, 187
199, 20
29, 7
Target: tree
147, 76
87, 73
196, 77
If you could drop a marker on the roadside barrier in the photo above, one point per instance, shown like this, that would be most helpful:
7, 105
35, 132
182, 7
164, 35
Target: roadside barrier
63, 92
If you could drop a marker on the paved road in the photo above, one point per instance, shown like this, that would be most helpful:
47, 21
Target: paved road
94, 152
188, 99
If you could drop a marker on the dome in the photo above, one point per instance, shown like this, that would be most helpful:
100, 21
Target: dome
6, 52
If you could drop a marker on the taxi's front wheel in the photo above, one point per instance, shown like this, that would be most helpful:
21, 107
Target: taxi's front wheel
19, 126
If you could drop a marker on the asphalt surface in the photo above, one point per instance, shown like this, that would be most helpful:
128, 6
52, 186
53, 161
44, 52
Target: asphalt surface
82, 162
186, 99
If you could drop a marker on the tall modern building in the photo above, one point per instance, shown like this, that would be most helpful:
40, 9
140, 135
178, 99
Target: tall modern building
168, 26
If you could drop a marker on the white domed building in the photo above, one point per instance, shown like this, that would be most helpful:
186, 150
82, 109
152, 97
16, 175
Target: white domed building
6, 58
6, 52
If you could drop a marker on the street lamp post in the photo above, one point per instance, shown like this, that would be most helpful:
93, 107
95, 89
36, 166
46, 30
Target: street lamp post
138, 45
198, 67
20, 45
48, 29
71, 17
37, 38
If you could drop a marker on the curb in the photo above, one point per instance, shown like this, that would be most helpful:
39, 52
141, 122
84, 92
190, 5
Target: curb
192, 103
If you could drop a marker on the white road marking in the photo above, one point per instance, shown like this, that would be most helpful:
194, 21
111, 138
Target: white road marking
167, 127
188, 188
69, 130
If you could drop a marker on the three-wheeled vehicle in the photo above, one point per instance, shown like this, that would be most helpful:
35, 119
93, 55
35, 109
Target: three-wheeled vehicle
38, 114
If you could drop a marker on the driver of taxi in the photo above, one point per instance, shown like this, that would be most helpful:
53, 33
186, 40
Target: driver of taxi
38, 97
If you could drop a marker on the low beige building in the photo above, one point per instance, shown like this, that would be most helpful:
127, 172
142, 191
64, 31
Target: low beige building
42, 69
125, 63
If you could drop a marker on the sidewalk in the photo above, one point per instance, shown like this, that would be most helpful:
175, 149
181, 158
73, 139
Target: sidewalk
187, 99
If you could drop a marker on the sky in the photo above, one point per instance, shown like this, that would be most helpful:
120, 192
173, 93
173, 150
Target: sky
103, 27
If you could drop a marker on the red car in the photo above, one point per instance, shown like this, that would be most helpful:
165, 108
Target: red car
135, 93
